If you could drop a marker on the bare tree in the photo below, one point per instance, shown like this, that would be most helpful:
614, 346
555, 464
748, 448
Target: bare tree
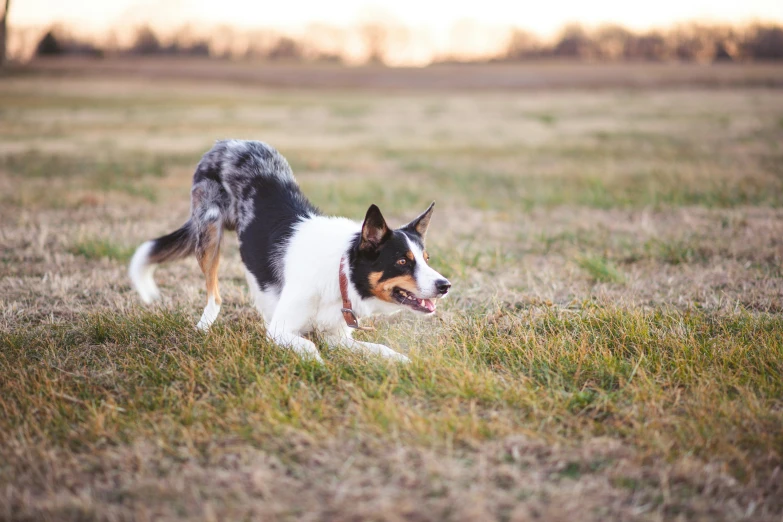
574, 42
521, 45
612, 42
375, 36
146, 41
4, 32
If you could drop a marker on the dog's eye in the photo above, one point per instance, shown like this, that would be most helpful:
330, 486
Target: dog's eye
402, 261
426, 257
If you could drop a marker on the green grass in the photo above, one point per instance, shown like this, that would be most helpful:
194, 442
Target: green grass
601, 270
598, 371
671, 385
350, 110
545, 118
675, 252
50, 178
36, 164
534, 391
350, 198
606, 175
96, 248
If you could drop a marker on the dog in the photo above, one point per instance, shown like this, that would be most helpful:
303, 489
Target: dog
307, 272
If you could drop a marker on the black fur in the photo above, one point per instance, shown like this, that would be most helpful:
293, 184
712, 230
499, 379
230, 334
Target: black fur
177, 245
415, 238
283, 206
366, 257
253, 186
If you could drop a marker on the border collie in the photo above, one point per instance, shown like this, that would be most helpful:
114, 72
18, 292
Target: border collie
306, 272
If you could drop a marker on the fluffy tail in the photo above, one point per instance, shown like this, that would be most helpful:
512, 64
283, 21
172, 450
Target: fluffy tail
171, 247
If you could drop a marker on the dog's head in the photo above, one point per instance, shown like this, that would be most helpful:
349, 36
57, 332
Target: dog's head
393, 265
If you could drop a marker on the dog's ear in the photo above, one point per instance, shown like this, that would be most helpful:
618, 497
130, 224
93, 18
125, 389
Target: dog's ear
374, 230
420, 224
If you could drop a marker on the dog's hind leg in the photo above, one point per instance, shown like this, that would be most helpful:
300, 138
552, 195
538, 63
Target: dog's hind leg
208, 255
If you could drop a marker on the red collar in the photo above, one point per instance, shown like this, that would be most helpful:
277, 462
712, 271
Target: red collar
348, 314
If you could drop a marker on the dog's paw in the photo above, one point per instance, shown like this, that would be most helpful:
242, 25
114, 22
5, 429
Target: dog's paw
304, 348
397, 357
208, 317
203, 325
315, 357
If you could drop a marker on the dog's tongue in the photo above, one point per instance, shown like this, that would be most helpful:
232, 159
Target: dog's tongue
429, 305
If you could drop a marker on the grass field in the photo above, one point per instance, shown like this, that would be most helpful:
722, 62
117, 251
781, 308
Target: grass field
612, 350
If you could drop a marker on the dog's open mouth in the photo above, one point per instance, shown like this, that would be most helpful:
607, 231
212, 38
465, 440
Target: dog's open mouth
406, 298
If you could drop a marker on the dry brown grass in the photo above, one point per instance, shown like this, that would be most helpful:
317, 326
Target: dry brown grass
538, 74
613, 349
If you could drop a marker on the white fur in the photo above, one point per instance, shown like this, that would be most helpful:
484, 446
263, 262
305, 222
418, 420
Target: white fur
425, 276
141, 271
310, 299
211, 213
265, 301
211, 312
365, 347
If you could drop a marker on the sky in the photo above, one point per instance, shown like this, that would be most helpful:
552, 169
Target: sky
543, 17
444, 24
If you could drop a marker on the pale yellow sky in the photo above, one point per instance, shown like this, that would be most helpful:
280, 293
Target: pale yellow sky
541, 16
440, 25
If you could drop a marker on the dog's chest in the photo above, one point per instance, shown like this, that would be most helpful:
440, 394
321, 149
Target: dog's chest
328, 318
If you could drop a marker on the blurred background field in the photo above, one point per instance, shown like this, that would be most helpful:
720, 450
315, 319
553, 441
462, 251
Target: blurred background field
612, 350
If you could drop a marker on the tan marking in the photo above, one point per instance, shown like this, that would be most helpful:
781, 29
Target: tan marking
383, 289
409, 255
208, 255
374, 277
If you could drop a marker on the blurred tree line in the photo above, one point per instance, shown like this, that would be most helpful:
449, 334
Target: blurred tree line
4, 32
687, 42
58, 41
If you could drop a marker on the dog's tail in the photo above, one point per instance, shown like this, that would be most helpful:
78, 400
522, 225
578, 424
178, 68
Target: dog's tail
178, 244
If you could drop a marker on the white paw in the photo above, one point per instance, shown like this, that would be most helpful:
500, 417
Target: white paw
315, 357
398, 357
390, 354
307, 350
382, 350
203, 325
302, 347
208, 317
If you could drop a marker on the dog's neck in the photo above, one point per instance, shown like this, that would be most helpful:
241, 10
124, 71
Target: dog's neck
347, 310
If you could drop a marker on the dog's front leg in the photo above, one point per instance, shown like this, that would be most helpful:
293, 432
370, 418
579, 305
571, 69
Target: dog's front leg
304, 348
284, 329
345, 341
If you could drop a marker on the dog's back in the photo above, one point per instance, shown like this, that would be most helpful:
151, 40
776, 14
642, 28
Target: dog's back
238, 178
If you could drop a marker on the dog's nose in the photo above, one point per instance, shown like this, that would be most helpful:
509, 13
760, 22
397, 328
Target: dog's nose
442, 285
